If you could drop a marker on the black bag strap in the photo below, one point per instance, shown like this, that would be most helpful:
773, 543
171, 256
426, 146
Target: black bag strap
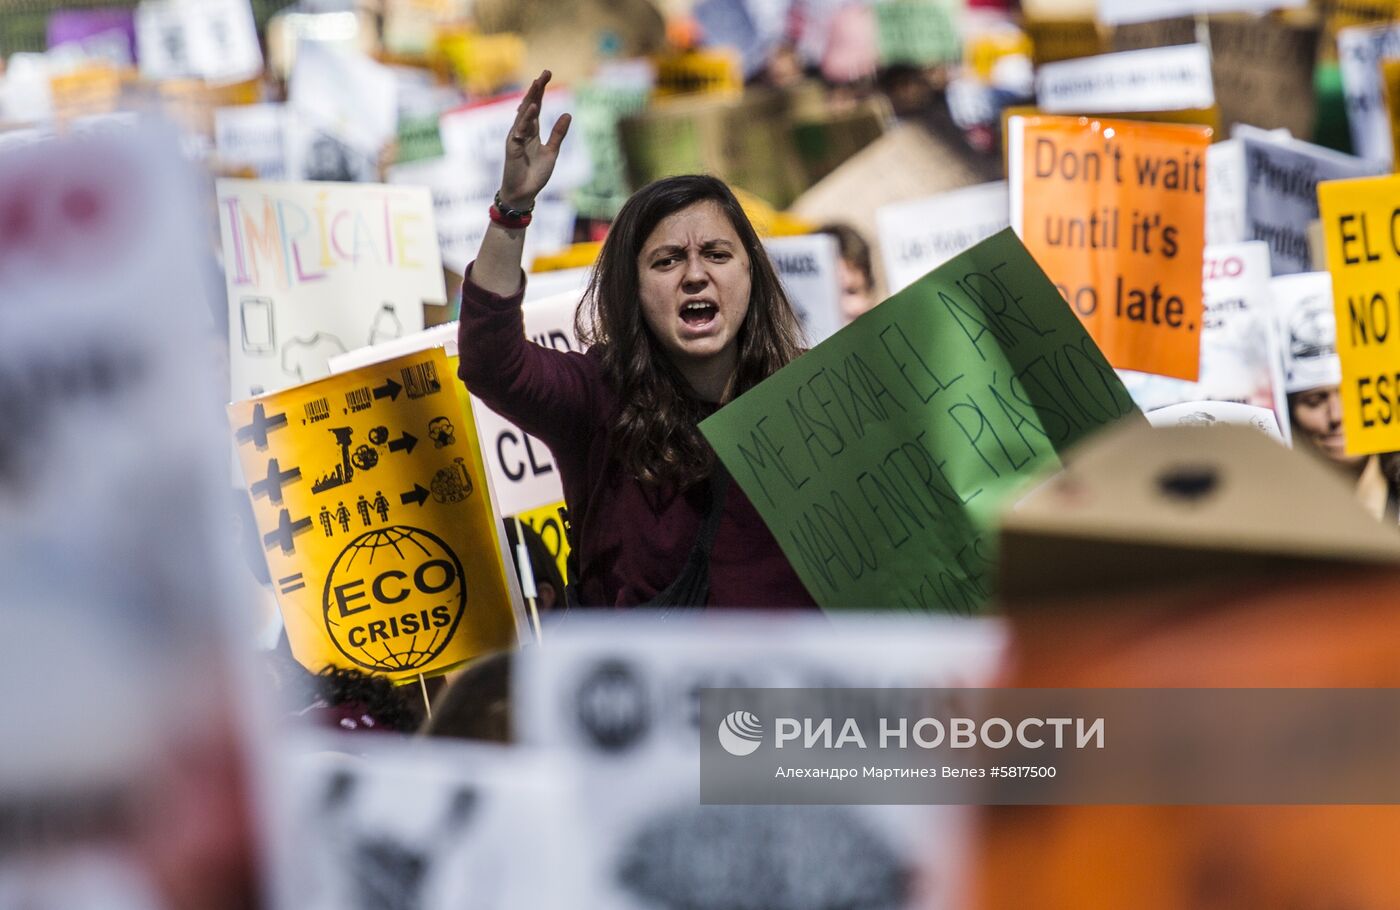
691, 588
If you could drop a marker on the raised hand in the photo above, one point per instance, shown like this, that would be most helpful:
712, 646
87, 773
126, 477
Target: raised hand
530, 162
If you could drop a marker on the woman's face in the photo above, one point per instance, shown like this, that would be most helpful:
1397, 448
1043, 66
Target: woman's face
693, 275
856, 293
1317, 419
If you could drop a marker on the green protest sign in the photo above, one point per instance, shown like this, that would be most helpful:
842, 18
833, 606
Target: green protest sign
917, 32
880, 458
599, 109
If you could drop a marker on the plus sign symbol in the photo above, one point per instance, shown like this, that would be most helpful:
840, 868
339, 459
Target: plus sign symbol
271, 485
257, 430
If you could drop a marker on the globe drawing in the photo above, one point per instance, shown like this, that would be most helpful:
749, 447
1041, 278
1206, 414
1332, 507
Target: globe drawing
382, 593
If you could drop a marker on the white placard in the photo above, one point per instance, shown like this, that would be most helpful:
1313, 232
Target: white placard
461, 205
619, 699
432, 824
1225, 195
807, 267
1217, 413
1118, 12
1241, 360
475, 137
316, 269
252, 136
1156, 79
523, 473
919, 235
1307, 328
1359, 55
214, 40
338, 94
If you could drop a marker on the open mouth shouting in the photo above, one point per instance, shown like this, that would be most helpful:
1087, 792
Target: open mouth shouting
699, 314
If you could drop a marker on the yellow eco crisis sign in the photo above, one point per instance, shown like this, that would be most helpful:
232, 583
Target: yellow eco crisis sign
375, 519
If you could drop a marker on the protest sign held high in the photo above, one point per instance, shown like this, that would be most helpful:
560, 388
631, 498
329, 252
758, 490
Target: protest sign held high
1361, 222
1114, 211
379, 534
879, 457
315, 269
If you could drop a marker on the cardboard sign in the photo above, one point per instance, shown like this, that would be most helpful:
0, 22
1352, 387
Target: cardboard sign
878, 457
435, 822
1363, 255
745, 141
1240, 356
379, 537
1165, 79
1115, 213
917, 32
807, 267
1117, 12
1359, 55
252, 136
618, 701
315, 269
1217, 414
1055, 39
906, 163
214, 40
922, 234
1281, 184
461, 211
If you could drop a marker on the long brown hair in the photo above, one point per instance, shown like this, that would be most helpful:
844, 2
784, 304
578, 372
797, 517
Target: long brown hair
654, 432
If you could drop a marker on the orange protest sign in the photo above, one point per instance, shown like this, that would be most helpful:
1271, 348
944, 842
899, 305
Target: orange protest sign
1114, 211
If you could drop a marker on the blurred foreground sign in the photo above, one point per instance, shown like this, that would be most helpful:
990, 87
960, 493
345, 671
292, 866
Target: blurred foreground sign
380, 537
1115, 212
114, 548
880, 457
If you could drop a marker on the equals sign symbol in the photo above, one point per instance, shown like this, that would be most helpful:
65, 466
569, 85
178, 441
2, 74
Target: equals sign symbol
291, 583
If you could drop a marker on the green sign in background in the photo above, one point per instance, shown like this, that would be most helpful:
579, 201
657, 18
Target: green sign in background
880, 458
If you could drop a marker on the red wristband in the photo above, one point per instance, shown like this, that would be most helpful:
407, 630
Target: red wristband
510, 222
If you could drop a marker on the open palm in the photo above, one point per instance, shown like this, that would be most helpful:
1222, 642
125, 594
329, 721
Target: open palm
529, 161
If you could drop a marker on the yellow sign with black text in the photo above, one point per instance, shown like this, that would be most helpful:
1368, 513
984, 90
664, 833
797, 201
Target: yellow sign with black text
1361, 221
375, 519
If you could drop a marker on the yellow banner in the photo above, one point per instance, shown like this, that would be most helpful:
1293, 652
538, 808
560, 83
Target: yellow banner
708, 72
548, 522
1361, 221
375, 519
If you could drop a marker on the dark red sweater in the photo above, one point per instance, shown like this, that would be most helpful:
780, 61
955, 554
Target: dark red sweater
632, 540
